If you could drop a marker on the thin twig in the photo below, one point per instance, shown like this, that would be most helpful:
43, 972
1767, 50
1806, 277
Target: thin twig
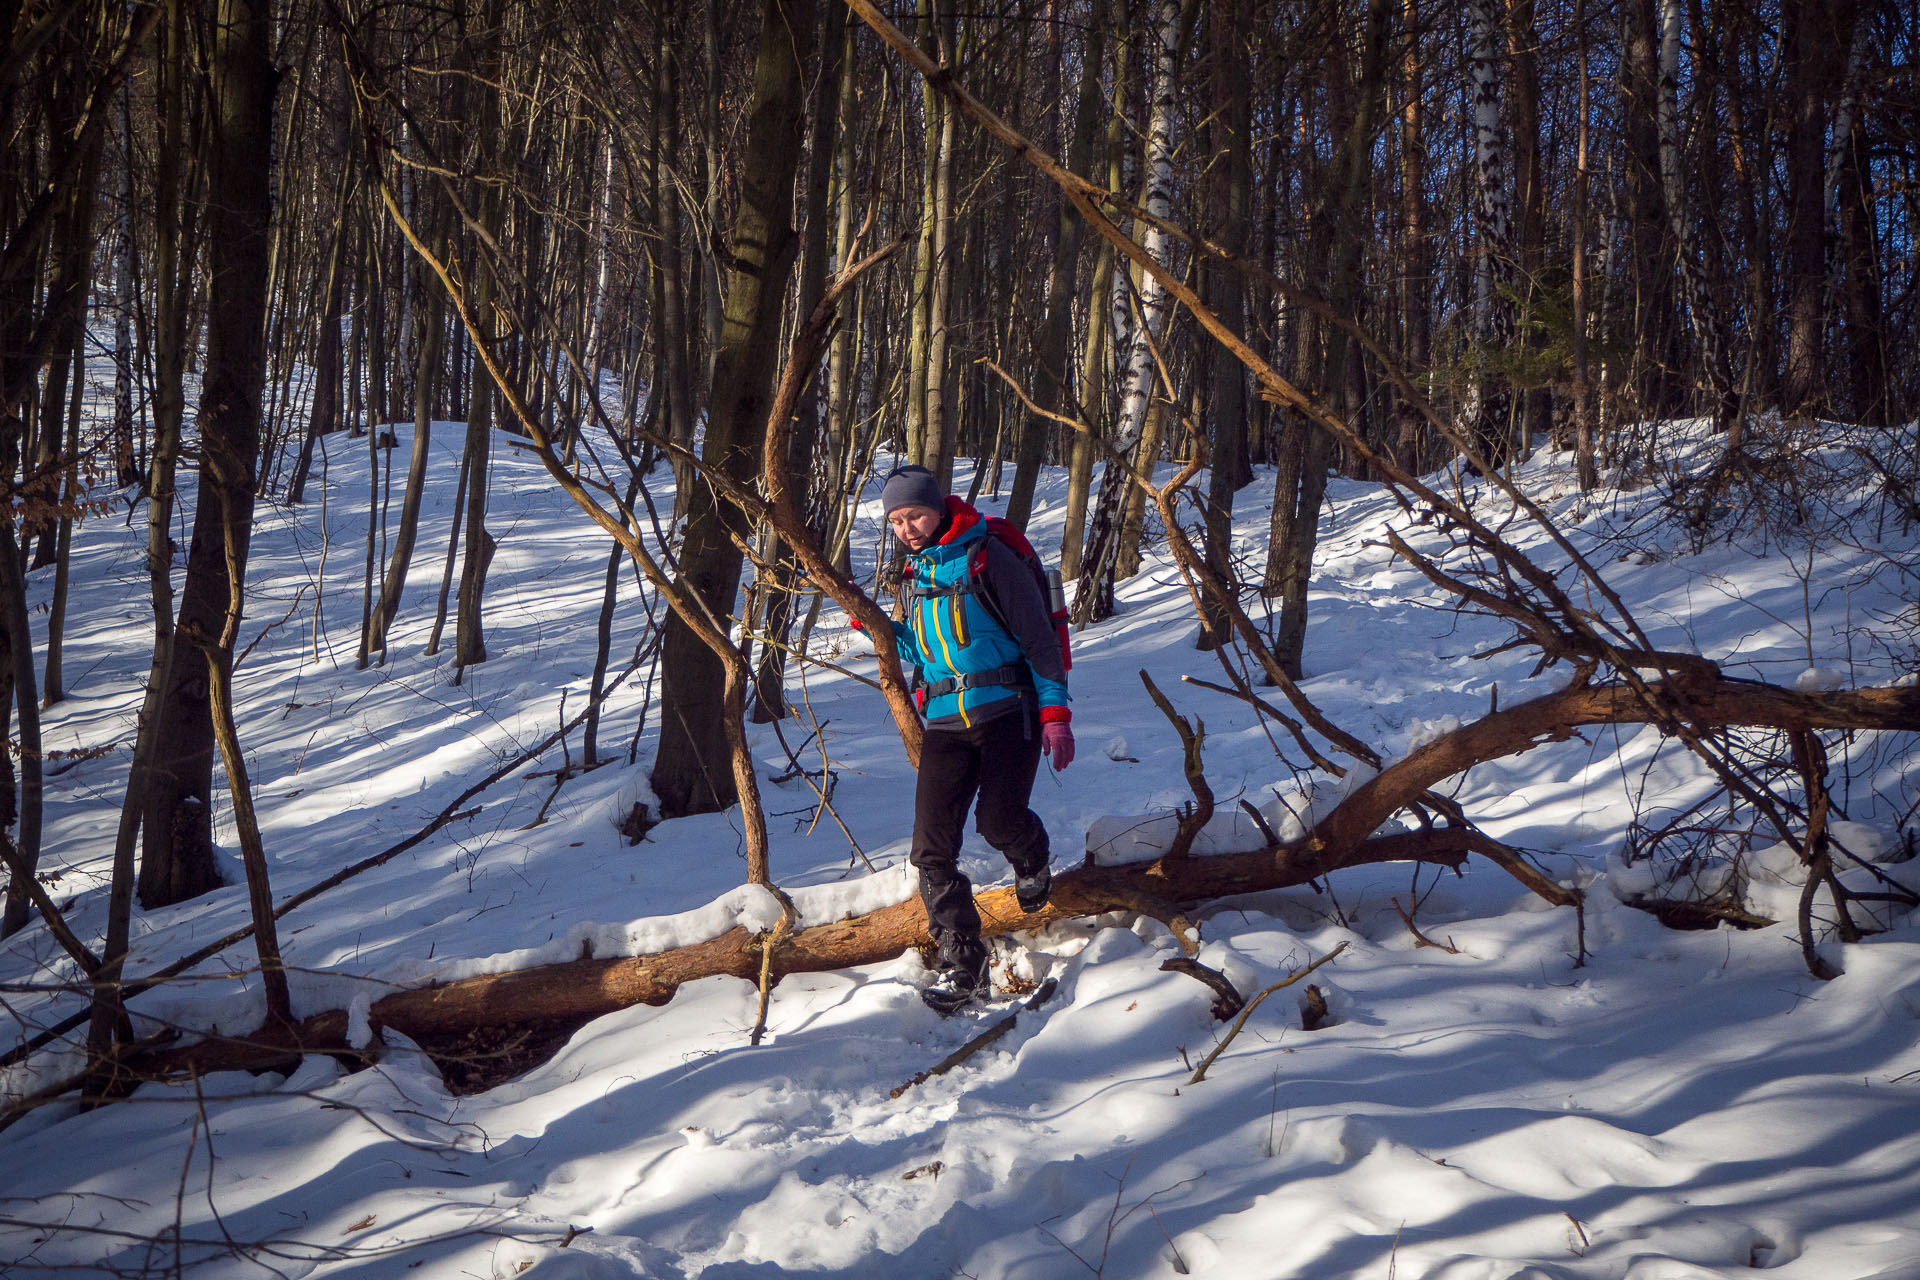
823, 790
979, 1042
1200, 1072
1419, 937
769, 945
1193, 821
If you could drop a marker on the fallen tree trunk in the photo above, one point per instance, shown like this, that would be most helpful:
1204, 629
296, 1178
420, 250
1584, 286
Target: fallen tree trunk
576, 991
581, 989
1699, 697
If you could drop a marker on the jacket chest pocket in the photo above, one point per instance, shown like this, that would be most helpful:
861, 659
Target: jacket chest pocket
941, 626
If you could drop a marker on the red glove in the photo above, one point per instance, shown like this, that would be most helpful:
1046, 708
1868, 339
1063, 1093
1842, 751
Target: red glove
1056, 743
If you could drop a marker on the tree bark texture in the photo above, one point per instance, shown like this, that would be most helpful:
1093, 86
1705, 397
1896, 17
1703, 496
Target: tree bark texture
775, 583
690, 772
178, 862
1099, 561
1700, 293
24, 802
1053, 383
1814, 41
1230, 129
1650, 286
1490, 404
1334, 251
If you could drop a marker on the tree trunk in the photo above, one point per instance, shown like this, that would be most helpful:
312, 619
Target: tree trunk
1098, 562
1529, 200
1814, 41
26, 800
1585, 467
71, 277
9, 783
1086, 443
429, 332
173, 243
1490, 401
1133, 504
379, 498
1301, 485
587, 988
1650, 291
324, 415
779, 592
1869, 399
941, 442
218, 652
713, 314
603, 641
1416, 249
1700, 294
453, 551
674, 333
843, 354
920, 309
1052, 384
469, 634
53, 682
179, 815
1095, 359
601, 241
1229, 136
690, 772
126, 463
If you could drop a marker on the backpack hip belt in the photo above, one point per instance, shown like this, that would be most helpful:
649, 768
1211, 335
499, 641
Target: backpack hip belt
1014, 675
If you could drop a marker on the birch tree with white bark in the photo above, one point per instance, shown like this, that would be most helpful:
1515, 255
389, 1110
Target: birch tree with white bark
1094, 600
1489, 405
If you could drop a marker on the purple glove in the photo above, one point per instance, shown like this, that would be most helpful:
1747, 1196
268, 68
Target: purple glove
1056, 742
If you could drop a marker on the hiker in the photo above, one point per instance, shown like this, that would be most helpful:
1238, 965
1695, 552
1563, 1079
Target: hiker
993, 687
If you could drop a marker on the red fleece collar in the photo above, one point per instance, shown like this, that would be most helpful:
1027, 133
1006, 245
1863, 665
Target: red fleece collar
960, 518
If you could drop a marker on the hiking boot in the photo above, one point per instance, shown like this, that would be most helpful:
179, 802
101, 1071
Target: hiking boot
1031, 891
955, 988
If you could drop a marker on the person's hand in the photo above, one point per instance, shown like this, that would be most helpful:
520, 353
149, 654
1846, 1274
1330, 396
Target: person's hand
1056, 742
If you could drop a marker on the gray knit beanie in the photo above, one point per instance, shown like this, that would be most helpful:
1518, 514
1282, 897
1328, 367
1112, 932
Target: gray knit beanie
911, 486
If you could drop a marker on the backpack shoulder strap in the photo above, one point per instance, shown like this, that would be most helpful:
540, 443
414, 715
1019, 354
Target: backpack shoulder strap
980, 586
1008, 532
1009, 536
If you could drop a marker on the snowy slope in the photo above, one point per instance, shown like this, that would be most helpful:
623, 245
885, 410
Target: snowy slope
1681, 1105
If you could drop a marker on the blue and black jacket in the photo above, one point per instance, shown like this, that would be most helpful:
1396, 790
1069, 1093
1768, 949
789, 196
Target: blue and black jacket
971, 667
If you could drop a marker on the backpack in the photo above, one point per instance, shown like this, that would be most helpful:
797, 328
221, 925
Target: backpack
1047, 580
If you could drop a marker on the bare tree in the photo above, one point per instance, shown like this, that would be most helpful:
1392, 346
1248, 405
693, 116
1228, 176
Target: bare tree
178, 818
1093, 600
689, 772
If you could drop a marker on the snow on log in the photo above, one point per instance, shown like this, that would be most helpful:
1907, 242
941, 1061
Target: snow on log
581, 989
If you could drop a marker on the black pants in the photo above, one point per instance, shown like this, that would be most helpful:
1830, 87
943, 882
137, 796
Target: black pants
997, 761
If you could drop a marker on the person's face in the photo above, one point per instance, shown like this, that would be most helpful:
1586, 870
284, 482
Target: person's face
914, 526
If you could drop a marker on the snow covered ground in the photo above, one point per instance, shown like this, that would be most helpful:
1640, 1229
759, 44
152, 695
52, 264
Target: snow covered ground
1681, 1105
